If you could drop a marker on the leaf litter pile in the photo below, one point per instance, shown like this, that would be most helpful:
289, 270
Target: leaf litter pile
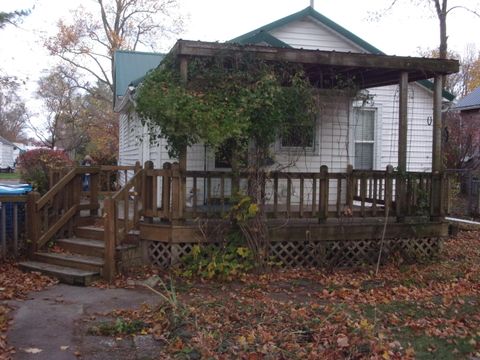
15, 285
429, 311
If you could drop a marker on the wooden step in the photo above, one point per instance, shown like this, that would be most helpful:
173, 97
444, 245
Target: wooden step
83, 246
87, 220
88, 263
89, 232
64, 274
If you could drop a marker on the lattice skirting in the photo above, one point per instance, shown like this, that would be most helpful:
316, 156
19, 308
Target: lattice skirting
314, 253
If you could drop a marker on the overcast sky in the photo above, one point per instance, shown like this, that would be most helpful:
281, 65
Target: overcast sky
401, 32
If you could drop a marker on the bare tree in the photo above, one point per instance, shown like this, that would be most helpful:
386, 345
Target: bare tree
64, 110
89, 42
442, 10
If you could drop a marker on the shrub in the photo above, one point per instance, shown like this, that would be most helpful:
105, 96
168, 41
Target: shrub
224, 262
35, 165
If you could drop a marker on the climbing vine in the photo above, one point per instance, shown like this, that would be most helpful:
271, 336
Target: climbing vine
231, 97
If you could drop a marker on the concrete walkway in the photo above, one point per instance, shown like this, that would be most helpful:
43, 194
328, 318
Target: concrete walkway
56, 321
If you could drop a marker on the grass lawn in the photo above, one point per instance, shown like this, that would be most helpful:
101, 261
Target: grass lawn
425, 311
9, 176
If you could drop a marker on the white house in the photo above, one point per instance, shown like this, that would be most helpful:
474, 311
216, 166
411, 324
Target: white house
362, 132
6, 154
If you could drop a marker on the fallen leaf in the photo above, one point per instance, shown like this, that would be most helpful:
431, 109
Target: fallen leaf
32, 350
342, 341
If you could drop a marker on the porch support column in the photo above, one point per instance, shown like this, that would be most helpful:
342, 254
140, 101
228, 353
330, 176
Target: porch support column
401, 195
437, 165
183, 153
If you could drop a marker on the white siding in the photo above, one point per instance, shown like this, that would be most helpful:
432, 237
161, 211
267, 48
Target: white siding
6, 156
311, 35
130, 144
419, 136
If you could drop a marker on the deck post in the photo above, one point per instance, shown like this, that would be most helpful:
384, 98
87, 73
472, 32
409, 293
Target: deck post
33, 221
350, 188
323, 197
400, 193
110, 235
182, 196
166, 188
147, 194
437, 165
138, 193
177, 194
388, 189
94, 188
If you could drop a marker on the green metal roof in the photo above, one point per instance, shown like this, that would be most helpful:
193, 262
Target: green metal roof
130, 66
260, 33
260, 37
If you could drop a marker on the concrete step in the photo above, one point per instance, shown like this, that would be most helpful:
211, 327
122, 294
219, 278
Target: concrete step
89, 232
82, 246
87, 263
64, 274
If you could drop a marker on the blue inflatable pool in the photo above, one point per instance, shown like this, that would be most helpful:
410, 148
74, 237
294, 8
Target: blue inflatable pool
18, 189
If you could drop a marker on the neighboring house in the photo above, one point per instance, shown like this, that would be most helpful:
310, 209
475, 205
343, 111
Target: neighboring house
470, 104
7, 159
361, 134
468, 109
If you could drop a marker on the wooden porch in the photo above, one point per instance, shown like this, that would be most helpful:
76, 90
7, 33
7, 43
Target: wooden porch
321, 219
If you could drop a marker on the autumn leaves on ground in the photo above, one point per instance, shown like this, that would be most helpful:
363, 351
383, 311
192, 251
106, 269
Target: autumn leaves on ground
429, 311
408, 311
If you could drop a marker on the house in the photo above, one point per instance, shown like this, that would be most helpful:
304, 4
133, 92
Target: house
470, 104
6, 155
335, 143
392, 122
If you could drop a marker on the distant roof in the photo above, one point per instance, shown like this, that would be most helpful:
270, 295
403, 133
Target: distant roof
6, 142
259, 35
470, 102
132, 65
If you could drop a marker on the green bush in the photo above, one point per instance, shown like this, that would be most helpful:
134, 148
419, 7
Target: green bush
224, 262
35, 165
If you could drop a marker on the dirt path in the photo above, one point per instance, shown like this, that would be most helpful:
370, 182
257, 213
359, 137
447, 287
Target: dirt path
53, 324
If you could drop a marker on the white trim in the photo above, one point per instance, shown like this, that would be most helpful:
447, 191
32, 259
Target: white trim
377, 141
299, 150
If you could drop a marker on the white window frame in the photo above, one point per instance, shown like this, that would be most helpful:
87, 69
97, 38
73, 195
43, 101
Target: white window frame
376, 161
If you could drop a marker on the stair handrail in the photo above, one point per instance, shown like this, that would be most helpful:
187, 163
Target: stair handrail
36, 206
111, 222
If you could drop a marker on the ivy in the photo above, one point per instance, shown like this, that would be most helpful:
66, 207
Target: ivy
231, 97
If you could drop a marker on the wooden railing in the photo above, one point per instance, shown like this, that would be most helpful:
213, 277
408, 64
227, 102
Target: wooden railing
110, 179
173, 195
56, 212
122, 213
12, 224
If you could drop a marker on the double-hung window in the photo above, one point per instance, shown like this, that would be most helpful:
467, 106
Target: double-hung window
365, 137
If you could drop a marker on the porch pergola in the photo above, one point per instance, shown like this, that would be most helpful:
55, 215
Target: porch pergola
325, 68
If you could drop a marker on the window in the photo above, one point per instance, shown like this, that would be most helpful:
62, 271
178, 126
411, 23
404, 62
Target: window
364, 132
300, 136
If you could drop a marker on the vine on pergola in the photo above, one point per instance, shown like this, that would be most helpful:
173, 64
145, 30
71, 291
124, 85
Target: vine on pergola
231, 98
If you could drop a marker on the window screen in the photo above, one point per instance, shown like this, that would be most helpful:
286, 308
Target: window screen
364, 138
